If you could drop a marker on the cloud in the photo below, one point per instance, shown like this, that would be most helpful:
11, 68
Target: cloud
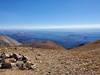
37, 27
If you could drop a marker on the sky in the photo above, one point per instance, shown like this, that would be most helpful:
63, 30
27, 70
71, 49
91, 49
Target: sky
49, 14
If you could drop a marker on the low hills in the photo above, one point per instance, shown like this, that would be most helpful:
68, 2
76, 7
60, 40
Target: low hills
46, 44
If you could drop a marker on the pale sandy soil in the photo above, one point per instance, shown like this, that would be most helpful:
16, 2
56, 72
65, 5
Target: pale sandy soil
57, 62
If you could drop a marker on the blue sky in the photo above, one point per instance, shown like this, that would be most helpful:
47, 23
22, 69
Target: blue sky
49, 13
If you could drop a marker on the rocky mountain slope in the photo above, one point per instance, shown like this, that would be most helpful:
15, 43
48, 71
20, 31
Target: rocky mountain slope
89, 46
5, 40
84, 60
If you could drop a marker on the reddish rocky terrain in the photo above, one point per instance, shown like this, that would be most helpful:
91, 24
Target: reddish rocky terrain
46, 45
84, 60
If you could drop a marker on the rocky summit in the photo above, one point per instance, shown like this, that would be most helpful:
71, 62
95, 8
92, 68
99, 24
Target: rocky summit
58, 62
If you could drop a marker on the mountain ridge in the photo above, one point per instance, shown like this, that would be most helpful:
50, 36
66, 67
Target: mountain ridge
9, 41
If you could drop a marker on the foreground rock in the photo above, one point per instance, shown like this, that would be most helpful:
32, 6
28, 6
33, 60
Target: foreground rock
8, 61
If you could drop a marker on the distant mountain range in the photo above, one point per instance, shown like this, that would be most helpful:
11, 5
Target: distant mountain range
45, 44
65, 39
8, 41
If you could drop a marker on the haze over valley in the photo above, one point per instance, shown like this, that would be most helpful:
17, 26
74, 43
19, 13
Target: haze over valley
66, 39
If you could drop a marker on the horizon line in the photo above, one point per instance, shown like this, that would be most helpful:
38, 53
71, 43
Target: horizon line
50, 27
